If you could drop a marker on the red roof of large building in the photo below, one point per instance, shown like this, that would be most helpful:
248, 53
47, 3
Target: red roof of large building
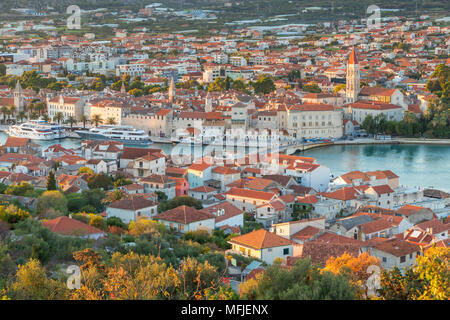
70, 227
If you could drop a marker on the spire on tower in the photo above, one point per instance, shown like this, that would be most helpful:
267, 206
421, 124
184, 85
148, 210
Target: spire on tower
353, 59
208, 102
18, 88
171, 90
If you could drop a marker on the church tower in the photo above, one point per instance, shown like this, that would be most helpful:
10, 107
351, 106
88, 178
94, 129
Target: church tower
353, 78
208, 103
172, 91
19, 101
123, 89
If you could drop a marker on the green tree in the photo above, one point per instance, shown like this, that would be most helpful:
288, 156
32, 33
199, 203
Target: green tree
304, 281
51, 204
51, 181
100, 181
59, 117
96, 120
264, 85
180, 201
84, 119
71, 121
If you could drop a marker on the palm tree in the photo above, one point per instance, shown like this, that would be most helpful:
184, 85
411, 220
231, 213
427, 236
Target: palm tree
40, 108
22, 115
5, 111
59, 117
84, 119
45, 117
30, 108
71, 120
96, 119
12, 109
111, 121
34, 115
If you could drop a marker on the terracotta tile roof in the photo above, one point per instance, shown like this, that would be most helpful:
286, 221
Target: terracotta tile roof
306, 233
397, 247
67, 226
157, 178
251, 194
225, 170
229, 211
261, 239
288, 198
258, 183
308, 199
16, 142
344, 194
19, 177
373, 105
280, 179
376, 226
383, 189
71, 159
17, 157
133, 203
354, 175
199, 166
184, 215
319, 252
436, 225
409, 209
329, 237
133, 186
203, 189
134, 153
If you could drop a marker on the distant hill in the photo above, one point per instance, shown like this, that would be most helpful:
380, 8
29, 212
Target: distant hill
238, 9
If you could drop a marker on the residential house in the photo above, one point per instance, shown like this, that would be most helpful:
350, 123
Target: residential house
157, 182
415, 214
66, 226
248, 200
394, 253
184, 219
199, 173
226, 215
263, 245
132, 209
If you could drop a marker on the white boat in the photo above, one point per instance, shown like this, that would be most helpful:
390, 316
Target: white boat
124, 134
37, 130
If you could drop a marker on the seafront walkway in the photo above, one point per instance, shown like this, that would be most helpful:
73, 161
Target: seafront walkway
291, 149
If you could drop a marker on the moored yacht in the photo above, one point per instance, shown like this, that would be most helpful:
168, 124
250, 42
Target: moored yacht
37, 130
124, 134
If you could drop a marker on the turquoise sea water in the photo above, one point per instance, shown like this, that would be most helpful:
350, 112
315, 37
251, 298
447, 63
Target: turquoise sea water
417, 165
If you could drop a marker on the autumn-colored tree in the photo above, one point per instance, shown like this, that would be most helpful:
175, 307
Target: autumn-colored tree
114, 195
98, 222
32, 284
146, 226
434, 269
86, 170
354, 267
249, 288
